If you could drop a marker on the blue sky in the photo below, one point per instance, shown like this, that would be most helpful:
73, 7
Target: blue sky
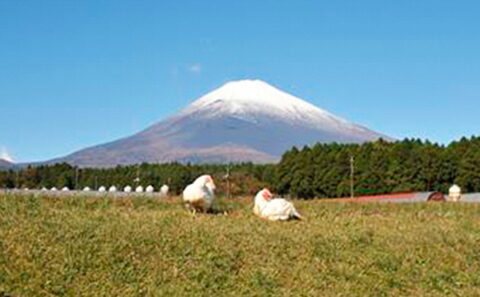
79, 73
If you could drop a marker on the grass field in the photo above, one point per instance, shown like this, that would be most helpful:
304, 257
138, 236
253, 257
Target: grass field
146, 247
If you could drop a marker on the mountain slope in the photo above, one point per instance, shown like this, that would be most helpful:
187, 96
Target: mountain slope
4, 164
241, 121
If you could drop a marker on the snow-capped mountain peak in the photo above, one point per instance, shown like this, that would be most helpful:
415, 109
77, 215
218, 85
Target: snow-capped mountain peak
254, 99
253, 93
4, 155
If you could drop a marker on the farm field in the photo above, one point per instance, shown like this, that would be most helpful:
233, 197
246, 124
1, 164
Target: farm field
80, 246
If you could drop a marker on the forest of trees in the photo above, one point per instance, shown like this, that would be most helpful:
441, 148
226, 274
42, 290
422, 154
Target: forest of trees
380, 167
244, 179
322, 170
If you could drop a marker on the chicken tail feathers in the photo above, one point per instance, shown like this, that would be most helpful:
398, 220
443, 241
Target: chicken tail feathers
296, 215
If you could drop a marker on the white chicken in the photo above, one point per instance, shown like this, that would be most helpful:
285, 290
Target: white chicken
200, 195
276, 209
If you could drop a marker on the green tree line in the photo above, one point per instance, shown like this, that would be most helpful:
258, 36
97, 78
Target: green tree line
379, 167
322, 170
243, 179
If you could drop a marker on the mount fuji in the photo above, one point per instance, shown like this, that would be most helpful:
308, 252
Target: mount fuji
242, 121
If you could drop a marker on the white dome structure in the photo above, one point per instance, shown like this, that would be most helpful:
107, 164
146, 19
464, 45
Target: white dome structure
164, 191
150, 189
65, 189
53, 189
44, 189
102, 189
127, 189
139, 189
86, 189
112, 189
455, 193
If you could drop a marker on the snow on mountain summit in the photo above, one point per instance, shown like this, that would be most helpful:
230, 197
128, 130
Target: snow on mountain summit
251, 99
254, 92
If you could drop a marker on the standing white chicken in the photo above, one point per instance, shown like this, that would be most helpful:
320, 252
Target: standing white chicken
200, 195
277, 209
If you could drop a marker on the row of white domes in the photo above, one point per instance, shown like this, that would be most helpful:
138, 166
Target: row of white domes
128, 189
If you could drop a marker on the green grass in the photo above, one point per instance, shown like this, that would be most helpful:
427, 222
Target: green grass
143, 247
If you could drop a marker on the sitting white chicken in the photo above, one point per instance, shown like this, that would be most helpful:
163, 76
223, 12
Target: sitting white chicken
200, 195
276, 209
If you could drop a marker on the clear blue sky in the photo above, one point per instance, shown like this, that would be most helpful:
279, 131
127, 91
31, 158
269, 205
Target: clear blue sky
79, 73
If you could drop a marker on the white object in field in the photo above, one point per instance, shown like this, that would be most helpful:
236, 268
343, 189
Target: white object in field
164, 191
44, 189
65, 189
102, 189
150, 189
86, 189
53, 189
112, 189
139, 189
274, 209
26, 189
455, 193
201, 194
127, 189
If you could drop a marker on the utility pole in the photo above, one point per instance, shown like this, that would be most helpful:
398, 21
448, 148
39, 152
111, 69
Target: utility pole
17, 179
352, 174
137, 179
76, 178
228, 180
